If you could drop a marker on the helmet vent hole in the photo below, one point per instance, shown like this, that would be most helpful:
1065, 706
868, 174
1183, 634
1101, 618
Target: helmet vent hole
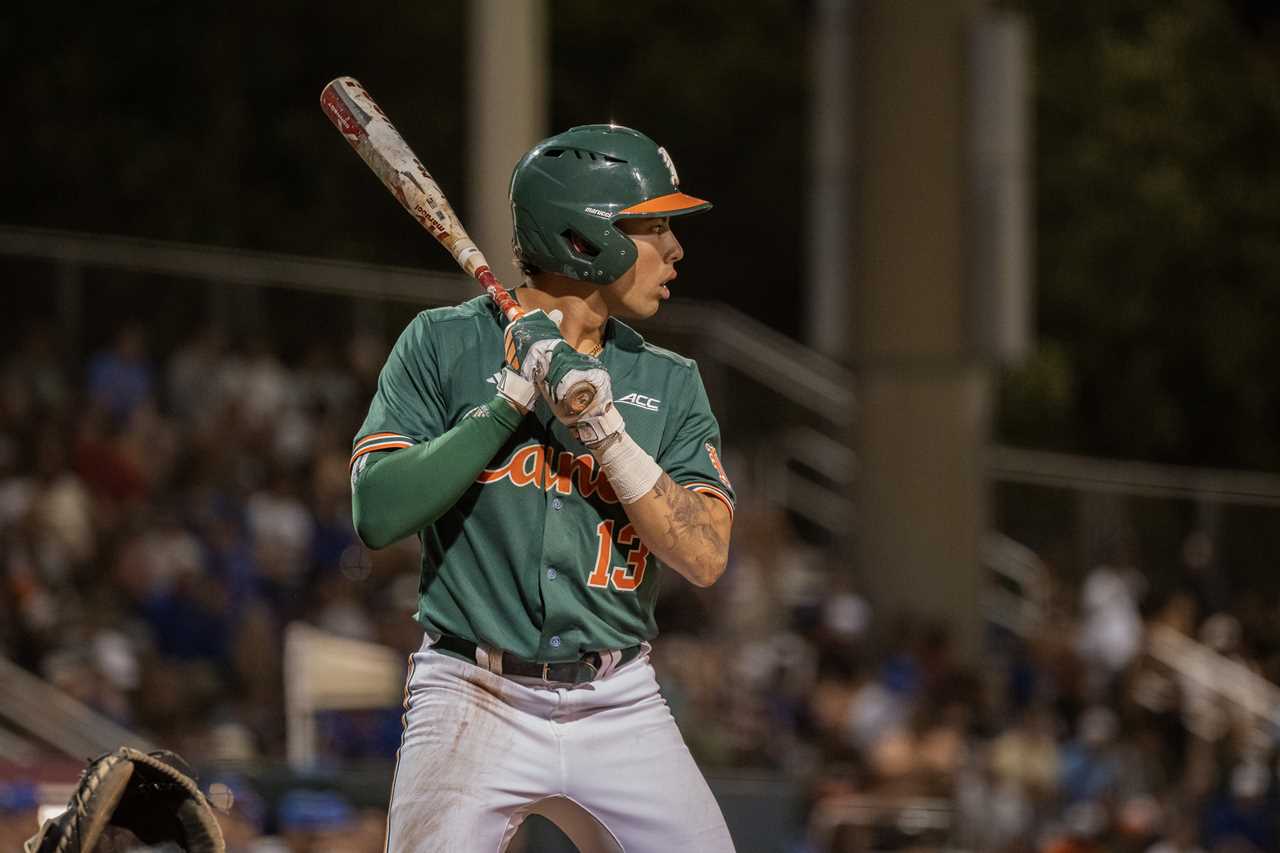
554, 152
579, 244
609, 159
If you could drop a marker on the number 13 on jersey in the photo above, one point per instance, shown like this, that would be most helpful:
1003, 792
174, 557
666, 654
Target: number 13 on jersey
624, 578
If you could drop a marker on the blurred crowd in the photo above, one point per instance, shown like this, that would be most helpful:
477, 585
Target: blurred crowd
1119, 718
162, 519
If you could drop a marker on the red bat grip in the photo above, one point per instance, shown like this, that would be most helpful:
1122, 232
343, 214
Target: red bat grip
508, 306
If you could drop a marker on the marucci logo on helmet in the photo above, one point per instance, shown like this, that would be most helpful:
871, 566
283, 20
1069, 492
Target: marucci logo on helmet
595, 211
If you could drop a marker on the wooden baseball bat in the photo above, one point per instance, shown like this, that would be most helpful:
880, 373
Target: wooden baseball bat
363, 123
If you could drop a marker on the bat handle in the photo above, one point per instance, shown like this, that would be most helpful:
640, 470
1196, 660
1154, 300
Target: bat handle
508, 306
582, 393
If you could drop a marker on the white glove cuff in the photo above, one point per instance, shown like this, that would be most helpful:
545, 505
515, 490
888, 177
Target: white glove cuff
630, 470
595, 428
517, 390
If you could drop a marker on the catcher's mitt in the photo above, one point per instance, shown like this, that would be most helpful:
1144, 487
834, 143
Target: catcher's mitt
129, 799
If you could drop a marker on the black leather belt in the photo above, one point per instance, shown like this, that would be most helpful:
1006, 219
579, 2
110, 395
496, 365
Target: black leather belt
566, 672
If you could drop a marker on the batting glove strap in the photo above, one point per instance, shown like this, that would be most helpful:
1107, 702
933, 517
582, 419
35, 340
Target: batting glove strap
594, 428
631, 471
517, 390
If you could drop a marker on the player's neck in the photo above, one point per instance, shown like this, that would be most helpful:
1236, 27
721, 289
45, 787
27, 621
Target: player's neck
581, 303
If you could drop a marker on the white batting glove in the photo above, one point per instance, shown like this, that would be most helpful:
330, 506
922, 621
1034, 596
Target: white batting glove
529, 342
516, 390
631, 471
569, 369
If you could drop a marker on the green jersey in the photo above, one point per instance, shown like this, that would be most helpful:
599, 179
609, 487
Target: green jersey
537, 557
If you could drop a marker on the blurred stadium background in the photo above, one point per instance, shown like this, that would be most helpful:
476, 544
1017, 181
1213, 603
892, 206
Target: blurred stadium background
986, 308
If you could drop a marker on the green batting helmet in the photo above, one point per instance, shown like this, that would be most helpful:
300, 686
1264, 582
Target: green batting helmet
570, 190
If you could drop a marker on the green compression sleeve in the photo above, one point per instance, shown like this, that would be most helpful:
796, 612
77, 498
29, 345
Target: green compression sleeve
408, 489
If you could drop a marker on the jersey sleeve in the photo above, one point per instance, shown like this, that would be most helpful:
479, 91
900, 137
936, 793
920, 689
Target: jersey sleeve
409, 405
692, 457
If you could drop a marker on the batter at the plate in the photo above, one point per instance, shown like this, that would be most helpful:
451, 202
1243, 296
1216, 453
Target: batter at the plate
546, 530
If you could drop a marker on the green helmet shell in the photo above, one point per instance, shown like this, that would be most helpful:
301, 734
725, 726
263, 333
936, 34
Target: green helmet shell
568, 192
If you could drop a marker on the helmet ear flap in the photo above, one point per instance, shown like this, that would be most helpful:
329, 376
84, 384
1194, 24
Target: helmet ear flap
579, 244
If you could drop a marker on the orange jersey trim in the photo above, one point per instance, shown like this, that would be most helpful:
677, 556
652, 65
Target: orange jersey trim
707, 489
397, 444
376, 436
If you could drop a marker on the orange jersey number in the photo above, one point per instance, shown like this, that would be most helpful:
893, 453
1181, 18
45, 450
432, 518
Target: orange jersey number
624, 578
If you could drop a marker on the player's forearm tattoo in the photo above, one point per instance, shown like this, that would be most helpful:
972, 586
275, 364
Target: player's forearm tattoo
690, 527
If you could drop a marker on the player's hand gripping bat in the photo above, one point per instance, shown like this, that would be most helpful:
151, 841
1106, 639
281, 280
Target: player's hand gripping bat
357, 115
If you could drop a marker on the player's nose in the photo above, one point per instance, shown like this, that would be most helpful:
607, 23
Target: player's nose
674, 250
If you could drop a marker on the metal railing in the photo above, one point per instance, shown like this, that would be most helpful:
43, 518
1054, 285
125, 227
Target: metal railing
1138, 479
790, 369
34, 706
818, 387
1228, 679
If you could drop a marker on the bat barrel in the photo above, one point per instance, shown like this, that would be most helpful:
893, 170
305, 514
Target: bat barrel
366, 127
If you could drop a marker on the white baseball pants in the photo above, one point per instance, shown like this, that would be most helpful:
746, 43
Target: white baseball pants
604, 761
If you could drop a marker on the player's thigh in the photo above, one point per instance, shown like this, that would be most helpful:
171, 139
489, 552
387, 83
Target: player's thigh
632, 771
467, 764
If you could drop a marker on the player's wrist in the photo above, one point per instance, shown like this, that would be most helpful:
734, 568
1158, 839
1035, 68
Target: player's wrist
506, 412
630, 469
515, 407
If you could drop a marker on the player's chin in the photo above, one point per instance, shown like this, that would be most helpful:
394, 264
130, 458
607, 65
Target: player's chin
640, 309
649, 308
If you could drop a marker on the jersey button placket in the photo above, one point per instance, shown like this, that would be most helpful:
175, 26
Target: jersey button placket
557, 504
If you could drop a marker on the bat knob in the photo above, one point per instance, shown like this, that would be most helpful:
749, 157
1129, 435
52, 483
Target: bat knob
579, 398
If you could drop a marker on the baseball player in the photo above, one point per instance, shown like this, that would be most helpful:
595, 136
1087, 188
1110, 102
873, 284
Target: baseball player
546, 526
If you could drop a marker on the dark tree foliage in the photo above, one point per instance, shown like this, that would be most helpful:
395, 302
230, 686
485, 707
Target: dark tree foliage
199, 122
726, 93
1157, 179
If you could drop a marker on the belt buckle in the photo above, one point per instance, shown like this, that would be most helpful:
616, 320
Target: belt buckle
546, 669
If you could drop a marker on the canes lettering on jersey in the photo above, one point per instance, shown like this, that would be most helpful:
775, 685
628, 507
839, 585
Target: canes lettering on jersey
543, 467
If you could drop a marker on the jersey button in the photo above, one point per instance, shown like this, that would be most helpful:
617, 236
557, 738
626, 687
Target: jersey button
554, 642
556, 503
551, 574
